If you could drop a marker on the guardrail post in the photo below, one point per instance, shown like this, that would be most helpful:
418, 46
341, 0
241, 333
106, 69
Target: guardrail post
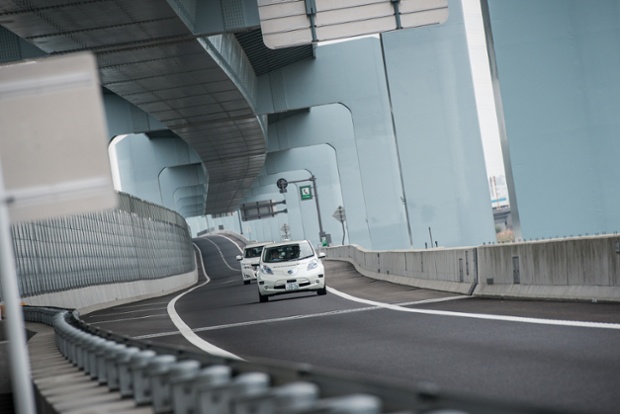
217, 398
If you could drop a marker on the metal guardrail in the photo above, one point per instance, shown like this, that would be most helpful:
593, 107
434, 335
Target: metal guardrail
178, 380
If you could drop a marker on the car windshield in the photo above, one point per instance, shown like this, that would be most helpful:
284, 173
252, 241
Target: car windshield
251, 252
288, 252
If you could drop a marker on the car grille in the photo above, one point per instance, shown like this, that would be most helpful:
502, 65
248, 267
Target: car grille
302, 283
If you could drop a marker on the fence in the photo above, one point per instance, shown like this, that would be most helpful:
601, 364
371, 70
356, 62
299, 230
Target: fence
137, 241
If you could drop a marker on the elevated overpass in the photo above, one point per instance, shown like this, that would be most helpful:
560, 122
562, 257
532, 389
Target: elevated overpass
214, 118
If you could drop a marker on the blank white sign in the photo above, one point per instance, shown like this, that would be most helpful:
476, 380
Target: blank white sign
287, 23
53, 147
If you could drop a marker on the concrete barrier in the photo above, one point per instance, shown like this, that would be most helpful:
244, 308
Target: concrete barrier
585, 268
451, 270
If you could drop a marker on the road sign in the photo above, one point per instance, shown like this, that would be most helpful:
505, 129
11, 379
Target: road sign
339, 214
260, 209
305, 192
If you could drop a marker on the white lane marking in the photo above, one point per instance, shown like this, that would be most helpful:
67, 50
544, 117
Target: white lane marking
540, 321
264, 321
297, 317
230, 240
222, 254
435, 300
128, 312
187, 332
161, 315
191, 336
397, 307
140, 305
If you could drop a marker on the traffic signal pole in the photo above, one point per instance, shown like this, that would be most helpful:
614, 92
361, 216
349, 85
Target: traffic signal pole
318, 210
283, 183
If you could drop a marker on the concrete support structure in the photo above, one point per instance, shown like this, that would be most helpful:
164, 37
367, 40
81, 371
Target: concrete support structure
561, 98
388, 126
166, 171
399, 112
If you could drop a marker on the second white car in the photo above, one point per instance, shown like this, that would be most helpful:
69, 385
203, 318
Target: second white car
250, 261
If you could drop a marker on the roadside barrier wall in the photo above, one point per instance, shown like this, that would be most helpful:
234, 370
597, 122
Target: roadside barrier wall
585, 268
451, 270
65, 261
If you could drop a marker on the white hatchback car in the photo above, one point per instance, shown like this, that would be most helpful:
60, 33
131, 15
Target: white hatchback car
288, 267
250, 261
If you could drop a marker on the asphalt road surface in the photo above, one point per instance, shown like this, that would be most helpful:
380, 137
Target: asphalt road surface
561, 356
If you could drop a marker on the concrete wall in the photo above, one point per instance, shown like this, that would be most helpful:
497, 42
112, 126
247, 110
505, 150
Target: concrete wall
582, 268
451, 270
569, 269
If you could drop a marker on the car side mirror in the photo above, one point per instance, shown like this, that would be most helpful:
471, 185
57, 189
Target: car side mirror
321, 255
239, 258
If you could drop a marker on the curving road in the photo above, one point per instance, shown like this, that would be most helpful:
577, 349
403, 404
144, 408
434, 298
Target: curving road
557, 356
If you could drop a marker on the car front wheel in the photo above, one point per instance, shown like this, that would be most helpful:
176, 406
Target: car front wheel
263, 298
322, 291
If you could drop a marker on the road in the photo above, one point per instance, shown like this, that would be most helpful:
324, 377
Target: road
554, 355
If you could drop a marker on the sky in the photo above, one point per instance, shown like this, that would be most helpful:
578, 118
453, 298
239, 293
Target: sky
483, 89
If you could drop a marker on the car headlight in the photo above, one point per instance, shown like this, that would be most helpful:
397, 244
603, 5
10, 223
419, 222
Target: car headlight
313, 264
266, 269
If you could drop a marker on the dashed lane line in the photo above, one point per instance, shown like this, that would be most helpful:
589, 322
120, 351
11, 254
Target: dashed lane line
135, 318
297, 317
221, 254
261, 322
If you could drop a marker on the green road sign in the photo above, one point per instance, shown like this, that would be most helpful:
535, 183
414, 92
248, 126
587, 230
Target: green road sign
305, 192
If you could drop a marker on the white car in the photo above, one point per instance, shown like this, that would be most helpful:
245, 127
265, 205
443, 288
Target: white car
250, 261
288, 267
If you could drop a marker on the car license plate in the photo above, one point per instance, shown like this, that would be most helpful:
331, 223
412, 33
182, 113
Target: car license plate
292, 286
